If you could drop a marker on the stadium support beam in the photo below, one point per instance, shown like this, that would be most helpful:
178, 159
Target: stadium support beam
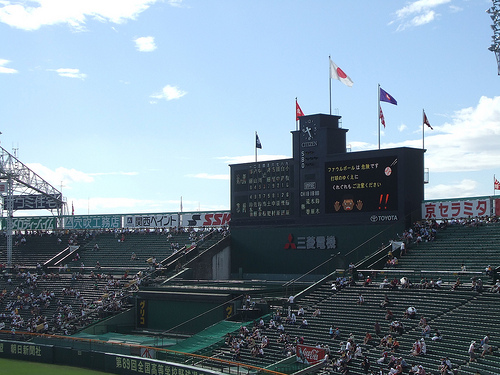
19, 176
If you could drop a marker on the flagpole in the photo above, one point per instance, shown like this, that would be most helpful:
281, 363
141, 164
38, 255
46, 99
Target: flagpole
378, 115
330, 83
296, 121
423, 120
255, 143
494, 180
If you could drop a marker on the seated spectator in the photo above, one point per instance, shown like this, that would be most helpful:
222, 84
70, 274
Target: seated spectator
413, 369
389, 315
378, 330
397, 327
395, 345
365, 365
367, 281
361, 299
439, 283
445, 366
382, 359
426, 331
423, 346
385, 302
496, 288
437, 336
385, 283
489, 270
456, 285
368, 338
336, 333
405, 282
416, 349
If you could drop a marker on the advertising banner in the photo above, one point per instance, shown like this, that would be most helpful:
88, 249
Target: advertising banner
37, 202
31, 223
309, 355
206, 219
152, 221
456, 209
92, 222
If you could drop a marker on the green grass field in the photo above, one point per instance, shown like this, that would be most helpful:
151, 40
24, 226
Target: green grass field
14, 367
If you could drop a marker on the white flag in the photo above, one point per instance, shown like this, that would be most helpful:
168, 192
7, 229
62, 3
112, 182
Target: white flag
337, 73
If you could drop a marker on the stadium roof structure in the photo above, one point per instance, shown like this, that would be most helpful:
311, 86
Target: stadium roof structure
17, 180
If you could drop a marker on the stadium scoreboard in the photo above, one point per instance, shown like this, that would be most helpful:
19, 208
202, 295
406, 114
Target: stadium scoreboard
264, 190
323, 184
364, 185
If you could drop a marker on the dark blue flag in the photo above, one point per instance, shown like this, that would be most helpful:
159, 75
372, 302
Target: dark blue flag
257, 141
385, 97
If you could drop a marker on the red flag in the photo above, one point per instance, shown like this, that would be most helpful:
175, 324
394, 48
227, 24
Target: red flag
381, 115
426, 121
497, 184
72, 209
298, 111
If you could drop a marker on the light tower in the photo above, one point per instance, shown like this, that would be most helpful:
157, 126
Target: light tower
494, 13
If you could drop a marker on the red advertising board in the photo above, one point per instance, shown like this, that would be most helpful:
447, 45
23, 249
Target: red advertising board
309, 354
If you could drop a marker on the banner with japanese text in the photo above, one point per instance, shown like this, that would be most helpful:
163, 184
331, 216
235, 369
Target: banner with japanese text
92, 222
31, 223
152, 221
456, 209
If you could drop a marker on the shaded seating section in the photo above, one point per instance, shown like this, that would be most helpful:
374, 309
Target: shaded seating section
37, 248
115, 255
65, 301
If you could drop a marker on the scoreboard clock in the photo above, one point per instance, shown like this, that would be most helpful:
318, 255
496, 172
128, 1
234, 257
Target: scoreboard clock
309, 130
361, 185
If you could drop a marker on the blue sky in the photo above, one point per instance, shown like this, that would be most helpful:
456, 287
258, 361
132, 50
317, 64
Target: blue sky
131, 104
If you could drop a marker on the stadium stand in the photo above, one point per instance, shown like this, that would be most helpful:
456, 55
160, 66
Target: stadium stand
456, 317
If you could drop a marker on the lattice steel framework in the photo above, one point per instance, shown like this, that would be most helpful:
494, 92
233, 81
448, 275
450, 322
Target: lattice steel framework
494, 13
21, 179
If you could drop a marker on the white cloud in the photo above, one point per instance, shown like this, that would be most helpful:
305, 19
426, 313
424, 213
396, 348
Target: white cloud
469, 142
418, 13
69, 72
402, 127
61, 174
145, 44
5, 70
31, 15
456, 189
122, 205
169, 93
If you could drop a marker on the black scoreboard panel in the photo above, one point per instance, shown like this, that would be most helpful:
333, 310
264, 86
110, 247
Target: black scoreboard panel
361, 185
263, 190
323, 184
